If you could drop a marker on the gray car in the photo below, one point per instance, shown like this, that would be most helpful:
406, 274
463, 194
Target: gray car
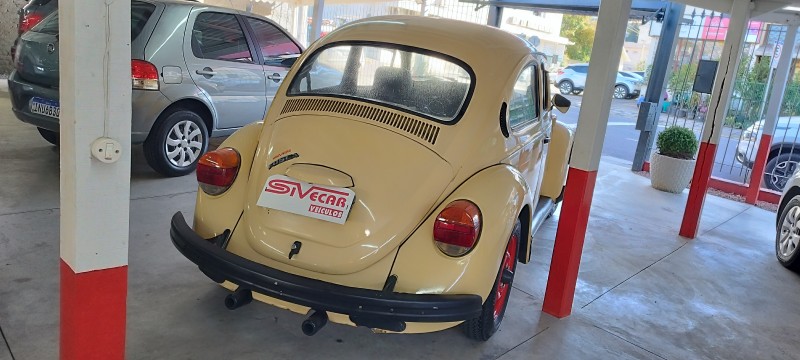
197, 71
784, 153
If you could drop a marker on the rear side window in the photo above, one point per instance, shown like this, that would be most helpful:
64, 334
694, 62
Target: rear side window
219, 36
524, 105
273, 43
580, 69
140, 13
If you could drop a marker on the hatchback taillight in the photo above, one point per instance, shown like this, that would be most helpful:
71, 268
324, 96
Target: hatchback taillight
144, 75
560, 72
457, 228
216, 170
29, 20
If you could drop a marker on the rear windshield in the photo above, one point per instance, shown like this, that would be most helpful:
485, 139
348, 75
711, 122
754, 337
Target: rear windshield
140, 13
413, 80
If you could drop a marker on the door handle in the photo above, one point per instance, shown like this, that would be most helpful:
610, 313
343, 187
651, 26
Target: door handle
275, 77
207, 71
546, 140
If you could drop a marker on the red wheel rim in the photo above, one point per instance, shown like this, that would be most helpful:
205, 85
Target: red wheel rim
509, 259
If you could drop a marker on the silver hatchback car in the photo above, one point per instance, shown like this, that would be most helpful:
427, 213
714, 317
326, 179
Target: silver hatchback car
197, 71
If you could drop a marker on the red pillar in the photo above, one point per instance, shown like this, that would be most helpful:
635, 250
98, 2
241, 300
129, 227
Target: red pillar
758, 169
697, 192
569, 242
93, 313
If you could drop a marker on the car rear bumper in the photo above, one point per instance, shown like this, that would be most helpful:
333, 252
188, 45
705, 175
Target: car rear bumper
21, 94
383, 309
147, 105
742, 159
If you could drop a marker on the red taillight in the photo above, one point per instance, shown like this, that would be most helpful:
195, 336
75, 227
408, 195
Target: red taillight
144, 75
29, 20
216, 170
560, 72
457, 228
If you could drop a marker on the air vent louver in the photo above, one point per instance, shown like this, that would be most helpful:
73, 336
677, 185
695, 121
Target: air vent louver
412, 126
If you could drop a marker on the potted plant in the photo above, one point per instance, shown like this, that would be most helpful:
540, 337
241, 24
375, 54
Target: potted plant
671, 167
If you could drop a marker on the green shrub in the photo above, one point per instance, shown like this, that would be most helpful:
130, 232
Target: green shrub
678, 142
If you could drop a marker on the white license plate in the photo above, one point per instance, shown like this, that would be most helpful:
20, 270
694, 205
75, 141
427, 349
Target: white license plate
315, 201
45, 107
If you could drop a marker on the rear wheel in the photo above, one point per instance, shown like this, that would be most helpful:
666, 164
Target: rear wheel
621, 92
779, 170
49, 136
565, 87
487, 323
175, 144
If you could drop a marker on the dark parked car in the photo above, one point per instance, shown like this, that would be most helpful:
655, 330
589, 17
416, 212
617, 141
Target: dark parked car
197, 71
31, 14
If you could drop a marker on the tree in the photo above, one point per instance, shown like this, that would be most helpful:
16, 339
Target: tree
580, 31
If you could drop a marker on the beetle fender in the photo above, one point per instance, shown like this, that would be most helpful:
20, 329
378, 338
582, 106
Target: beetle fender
555, 169
214, 214
500, 193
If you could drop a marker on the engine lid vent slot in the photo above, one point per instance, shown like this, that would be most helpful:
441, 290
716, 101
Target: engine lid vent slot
422, 130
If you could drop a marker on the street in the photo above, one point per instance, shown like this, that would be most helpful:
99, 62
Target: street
621, 136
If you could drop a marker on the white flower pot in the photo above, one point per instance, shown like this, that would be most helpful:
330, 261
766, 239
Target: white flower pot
670, 174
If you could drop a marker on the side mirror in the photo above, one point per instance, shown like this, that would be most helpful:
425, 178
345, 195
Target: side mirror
561, 103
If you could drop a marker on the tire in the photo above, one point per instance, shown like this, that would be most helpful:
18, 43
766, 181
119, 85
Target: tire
49, 136
494, 308
787, 237
779, 169
621, 92
565, 87
176, 143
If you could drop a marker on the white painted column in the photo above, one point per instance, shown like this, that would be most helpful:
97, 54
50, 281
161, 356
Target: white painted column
95, 99
316, 22
773, 112
612, 22
718, 107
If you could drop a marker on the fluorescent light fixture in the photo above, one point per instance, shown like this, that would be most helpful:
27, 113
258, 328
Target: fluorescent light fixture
792, 8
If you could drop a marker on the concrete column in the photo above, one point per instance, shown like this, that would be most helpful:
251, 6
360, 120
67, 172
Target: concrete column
316, 22
718, 107
612, 22
773, 112
95, 99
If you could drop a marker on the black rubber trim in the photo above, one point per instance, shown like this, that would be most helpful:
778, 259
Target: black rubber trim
219, 264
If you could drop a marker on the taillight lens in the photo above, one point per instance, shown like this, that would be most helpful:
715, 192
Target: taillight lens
144, 75
457, 228
29, 20
216, 170
560, 72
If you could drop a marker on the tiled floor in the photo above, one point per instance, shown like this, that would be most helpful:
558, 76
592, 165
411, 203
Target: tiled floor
643, 292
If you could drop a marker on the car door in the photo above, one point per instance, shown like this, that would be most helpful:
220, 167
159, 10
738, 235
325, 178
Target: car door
580, 75
223, 64
277, 52
527, 126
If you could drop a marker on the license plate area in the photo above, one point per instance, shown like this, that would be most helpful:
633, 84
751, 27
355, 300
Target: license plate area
321, 202
45, 107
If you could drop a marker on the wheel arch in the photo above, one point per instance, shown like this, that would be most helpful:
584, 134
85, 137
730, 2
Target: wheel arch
790, 194
194, 105
783, 148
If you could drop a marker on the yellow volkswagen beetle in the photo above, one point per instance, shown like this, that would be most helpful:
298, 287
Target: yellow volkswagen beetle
396, 181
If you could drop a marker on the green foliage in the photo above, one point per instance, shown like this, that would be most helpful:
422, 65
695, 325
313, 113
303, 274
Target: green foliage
579, 30
683, 78
678, 142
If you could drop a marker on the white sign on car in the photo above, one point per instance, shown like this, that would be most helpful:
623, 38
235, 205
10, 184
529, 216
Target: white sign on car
316, 201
